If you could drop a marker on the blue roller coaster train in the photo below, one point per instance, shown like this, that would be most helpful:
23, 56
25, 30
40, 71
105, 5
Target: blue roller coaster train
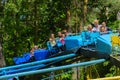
88, 44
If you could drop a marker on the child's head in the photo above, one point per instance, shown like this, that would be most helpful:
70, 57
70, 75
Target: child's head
35, 47
89, 28
96, 23
104, 24
63, 35
65, 32
52, 36
59, 34
102, 29
32, 49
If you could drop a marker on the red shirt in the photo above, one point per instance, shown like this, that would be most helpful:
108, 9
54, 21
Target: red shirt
62, 41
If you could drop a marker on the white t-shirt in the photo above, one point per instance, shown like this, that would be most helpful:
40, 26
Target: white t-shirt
96, 28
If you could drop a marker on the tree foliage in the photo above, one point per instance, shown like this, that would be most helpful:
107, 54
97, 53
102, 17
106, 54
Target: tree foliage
29, 22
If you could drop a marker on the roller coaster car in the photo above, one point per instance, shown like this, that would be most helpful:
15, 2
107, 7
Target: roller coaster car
91, 44
38, 54
94, 44
87, 44
51, 49
90, 41
82, 40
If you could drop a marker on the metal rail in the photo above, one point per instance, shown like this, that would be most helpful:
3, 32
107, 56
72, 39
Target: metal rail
38, 62
52, 69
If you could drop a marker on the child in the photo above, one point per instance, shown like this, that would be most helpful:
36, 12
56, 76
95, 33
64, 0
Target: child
32, 58
89, 28
52, 40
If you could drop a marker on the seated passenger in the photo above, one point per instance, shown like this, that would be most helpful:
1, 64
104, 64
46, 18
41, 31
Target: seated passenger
66, 33
32, 52
89, 28
62, 40
59, 34
106, 28
96, 26
103, 30
58, 41
52, 40
36, 47
32, 58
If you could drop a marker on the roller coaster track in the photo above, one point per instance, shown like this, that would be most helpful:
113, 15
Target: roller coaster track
52, 69
60, 57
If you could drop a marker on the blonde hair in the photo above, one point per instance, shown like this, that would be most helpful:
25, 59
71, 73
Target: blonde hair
89, 27
96, 21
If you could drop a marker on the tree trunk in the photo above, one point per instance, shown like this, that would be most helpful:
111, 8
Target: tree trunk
16, 24
68, 19
2, 60
85, 10
76, 72
76, 16
84, 14
35, 23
